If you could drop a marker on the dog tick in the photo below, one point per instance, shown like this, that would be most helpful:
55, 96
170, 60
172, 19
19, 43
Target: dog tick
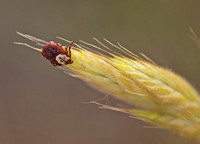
56, 54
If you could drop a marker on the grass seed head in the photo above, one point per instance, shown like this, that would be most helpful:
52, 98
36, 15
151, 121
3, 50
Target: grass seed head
162, 97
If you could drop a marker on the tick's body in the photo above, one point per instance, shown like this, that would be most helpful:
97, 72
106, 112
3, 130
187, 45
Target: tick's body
56, 54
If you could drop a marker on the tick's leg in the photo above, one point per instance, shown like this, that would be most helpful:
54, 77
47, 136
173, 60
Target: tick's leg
69, 52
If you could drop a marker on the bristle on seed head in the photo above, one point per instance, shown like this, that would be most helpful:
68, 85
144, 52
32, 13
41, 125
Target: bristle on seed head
37, 49
34, 39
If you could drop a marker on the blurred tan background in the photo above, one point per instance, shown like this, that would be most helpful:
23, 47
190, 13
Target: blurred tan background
39, 104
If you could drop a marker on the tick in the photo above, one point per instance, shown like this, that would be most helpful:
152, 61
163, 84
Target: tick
56, 54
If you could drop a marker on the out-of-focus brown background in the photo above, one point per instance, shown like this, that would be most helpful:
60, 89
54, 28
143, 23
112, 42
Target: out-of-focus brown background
39, 104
